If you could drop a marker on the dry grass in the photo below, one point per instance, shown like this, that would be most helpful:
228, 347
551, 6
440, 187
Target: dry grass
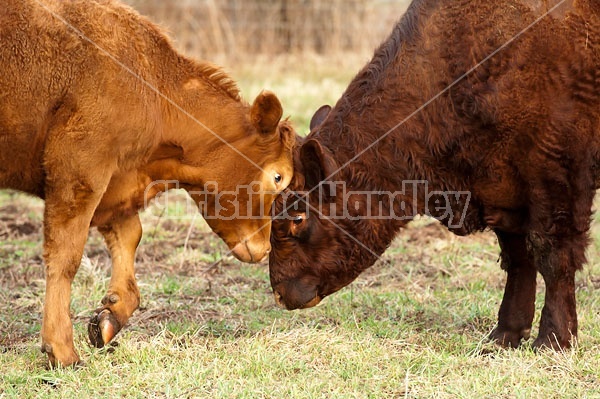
413, 326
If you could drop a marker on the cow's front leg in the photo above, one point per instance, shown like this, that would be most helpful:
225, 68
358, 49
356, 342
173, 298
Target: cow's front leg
557, 261
67, 216
123, 297
518, 305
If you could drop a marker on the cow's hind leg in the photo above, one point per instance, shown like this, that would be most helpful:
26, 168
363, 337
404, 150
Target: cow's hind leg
518, 305
123, 296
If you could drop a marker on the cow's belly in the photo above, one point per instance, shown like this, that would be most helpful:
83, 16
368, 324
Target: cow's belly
21, 166
126, 194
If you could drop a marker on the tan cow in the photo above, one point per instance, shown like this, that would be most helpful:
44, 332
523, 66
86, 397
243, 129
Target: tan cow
95, 106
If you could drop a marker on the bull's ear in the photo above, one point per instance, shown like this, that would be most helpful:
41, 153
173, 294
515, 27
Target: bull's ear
266, 112
319, 116
317, 163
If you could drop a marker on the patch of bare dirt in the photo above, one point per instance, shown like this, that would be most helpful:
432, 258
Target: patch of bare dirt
20, 245
425, 235
15, 223
419, 250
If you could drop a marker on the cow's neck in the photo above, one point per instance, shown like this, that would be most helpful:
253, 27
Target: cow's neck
385, 123
379, 145
199, 117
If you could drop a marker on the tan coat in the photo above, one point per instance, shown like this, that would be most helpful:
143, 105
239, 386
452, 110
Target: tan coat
95, 106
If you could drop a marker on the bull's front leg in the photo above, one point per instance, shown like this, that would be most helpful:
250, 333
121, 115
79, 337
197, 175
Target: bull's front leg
557, 261
123, 297
518, 304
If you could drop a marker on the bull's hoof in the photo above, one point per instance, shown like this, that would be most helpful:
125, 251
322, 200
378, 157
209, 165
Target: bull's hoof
102, 327
507, 338
551, 341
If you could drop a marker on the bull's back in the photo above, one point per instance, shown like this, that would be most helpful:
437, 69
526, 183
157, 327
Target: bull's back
560, 96
524, 97
532, 78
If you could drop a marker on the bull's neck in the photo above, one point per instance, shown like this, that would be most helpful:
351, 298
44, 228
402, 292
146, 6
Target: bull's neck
378, 128
377, 136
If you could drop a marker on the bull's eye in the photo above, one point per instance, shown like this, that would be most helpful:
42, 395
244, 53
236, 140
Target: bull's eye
277, 178
298, 228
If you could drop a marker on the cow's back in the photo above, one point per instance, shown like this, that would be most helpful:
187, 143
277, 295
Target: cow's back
68, 59
526, 98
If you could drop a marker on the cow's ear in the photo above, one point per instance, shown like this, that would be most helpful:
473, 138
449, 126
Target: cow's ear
317, 163
319, 116
266, 112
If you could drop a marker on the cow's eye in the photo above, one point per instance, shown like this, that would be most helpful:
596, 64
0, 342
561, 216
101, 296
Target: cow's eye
297, 220
277, 178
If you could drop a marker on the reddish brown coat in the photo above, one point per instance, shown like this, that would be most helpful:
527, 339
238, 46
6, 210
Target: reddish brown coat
491, 98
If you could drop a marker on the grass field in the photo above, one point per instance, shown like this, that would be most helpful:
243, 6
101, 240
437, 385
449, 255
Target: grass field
412, 326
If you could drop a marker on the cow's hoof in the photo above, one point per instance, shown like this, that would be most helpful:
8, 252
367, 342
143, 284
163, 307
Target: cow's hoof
507, 338
102, 327
64, 358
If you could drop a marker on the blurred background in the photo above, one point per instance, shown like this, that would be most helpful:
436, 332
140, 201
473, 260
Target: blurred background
307, 51
242, 29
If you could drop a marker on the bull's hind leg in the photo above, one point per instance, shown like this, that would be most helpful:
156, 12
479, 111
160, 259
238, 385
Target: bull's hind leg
123, 296
518, 305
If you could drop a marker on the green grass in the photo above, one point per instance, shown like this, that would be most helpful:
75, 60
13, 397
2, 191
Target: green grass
414, 325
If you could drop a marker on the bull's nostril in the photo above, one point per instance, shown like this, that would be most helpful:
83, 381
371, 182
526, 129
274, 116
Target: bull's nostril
277, 297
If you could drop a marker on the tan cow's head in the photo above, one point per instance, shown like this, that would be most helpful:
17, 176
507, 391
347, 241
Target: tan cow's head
243, 178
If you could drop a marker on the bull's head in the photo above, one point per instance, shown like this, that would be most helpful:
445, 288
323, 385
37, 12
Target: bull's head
315, 250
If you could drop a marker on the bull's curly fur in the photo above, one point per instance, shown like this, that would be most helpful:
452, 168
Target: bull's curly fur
499, 99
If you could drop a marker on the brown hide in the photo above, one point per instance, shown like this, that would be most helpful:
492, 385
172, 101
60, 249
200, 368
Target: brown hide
491, 111
99, 114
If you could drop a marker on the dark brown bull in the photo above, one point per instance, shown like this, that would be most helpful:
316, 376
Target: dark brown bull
99, 114
483, 114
